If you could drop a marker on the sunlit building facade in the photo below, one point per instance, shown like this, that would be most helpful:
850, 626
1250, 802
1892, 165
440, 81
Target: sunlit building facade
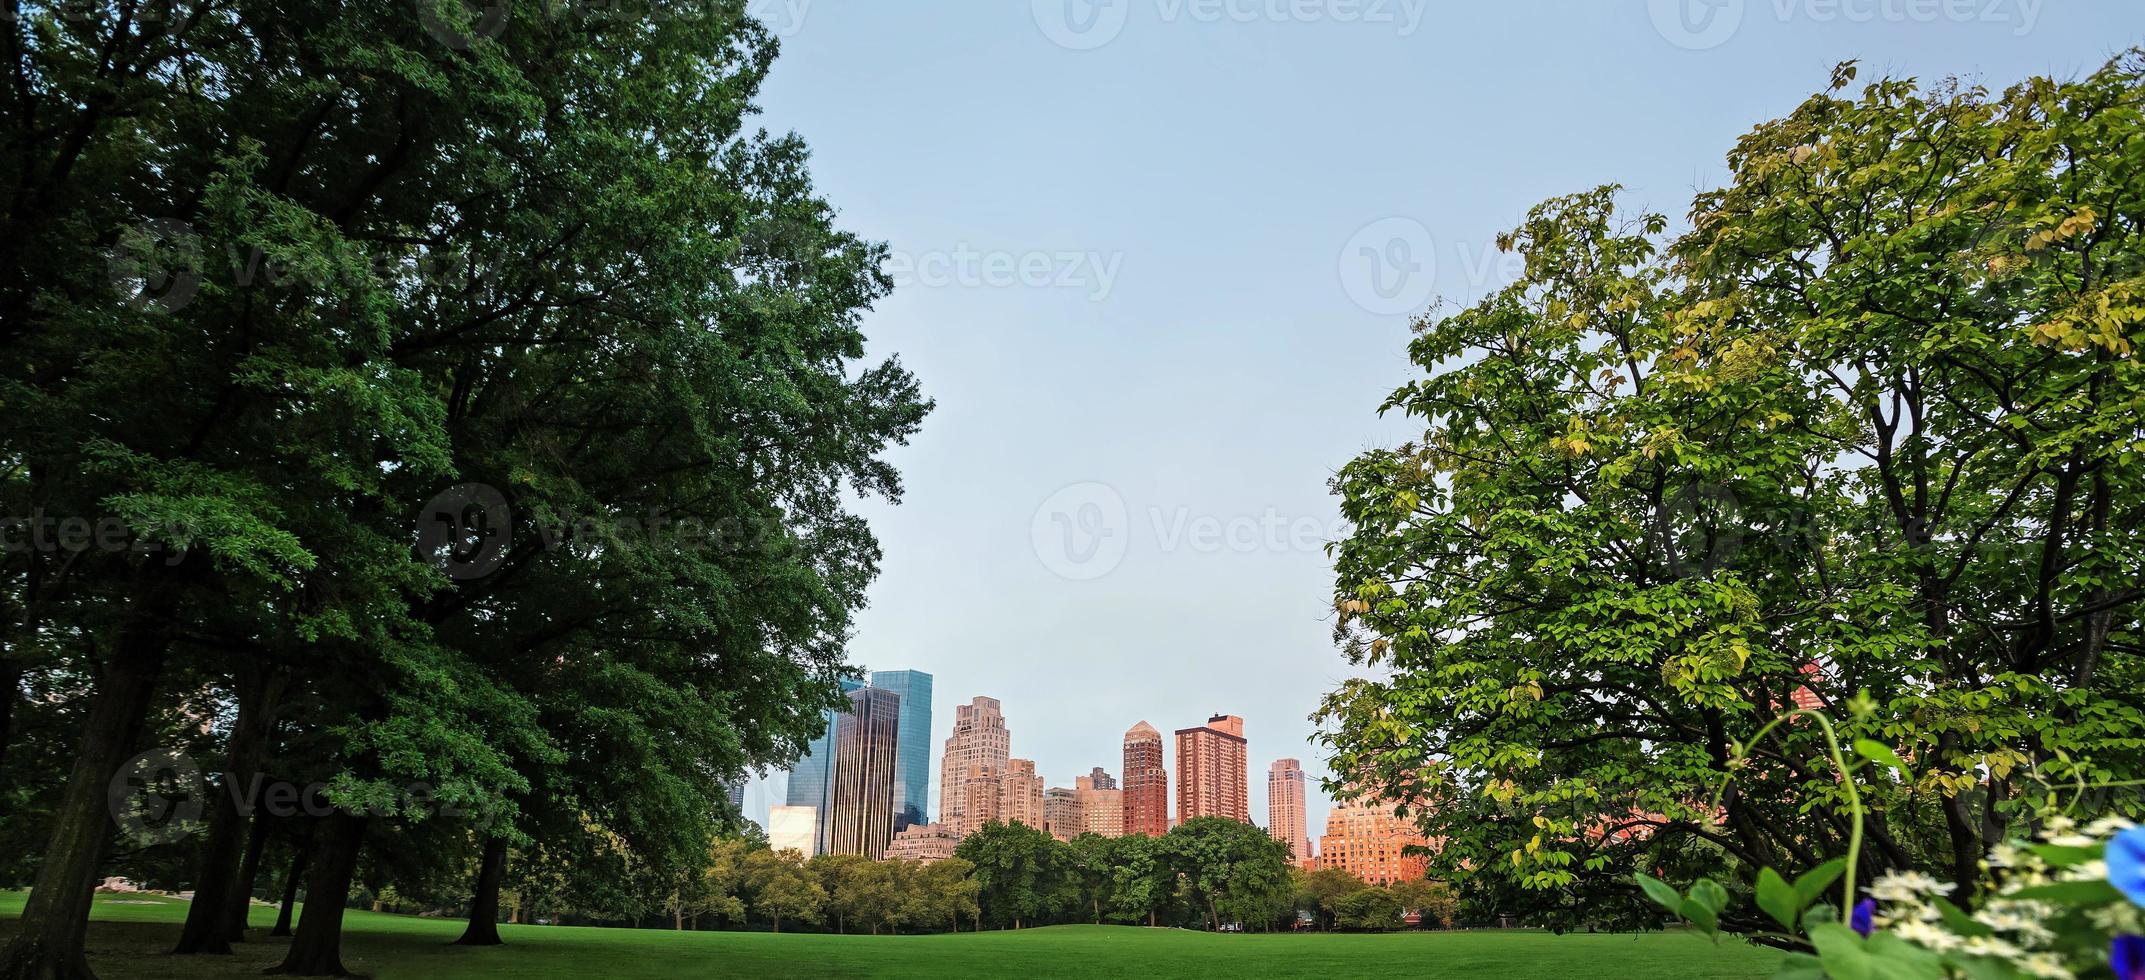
861, 816
1146, 783
1212, 780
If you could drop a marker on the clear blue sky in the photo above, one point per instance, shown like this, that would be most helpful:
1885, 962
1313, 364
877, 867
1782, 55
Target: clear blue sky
1160, 262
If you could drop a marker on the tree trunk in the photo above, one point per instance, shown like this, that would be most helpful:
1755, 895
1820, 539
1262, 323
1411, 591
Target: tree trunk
290, 887
316, 951
249, 875
239, 919
48, 938
208, 926
484, 906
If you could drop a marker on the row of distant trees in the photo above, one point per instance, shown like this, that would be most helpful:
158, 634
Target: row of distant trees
1206, 874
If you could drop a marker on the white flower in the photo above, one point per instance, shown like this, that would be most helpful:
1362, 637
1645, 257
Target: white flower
1926, 935
1991, 946
2047, 965
1906, 886
2108, 826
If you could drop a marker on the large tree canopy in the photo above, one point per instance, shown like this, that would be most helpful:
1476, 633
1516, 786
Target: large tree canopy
1866, 437
288, 271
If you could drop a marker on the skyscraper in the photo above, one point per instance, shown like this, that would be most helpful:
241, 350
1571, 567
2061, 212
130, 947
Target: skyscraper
1211, 772
861, 820
1285, 817
975, 755
1100, 778
1146, 792
912, 781
809, 779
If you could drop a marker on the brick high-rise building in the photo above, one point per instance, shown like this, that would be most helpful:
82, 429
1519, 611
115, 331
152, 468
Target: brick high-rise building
976, 754
1366, 839
1212, 780
866, 761
1146, 792
924, 842
1063, 817
1102, 804
1285, 816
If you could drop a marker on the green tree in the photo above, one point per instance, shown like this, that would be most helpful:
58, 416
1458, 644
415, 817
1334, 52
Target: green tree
1093, 876
1143, 882
1230, 867
1318, 892
1021, 873
1369, 910
783, 888
1432, 901
1849, 441
946, 891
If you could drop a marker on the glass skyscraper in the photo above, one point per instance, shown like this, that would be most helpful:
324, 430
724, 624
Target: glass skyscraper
912, 772
809, 781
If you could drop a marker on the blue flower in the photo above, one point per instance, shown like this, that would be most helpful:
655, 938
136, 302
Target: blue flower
2128, 957
2126, 863
1859, 921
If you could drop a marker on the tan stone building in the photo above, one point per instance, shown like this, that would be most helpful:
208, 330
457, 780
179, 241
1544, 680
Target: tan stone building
924, 842
1212, 777
1020, 794
1286, 818
976, 754
1102, 804
1063, 817
1366, 839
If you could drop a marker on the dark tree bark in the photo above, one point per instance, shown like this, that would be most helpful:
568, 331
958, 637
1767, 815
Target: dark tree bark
49, 936
484, 906
290, 886
317, 949
208, 926
236, 919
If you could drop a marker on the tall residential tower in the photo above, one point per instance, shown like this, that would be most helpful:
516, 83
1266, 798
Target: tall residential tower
1211, 776
1146, 783
976, 755
1285, 816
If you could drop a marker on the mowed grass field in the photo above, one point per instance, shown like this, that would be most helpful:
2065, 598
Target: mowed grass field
131, 936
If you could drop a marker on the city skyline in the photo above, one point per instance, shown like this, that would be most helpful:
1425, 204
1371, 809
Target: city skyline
764, 793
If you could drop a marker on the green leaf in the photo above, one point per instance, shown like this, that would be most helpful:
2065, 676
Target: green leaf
1659, 891
1800, 966
1710, 894
2071, 893
1778, 898
1959, 922
1813, 882
1893, 958
1699, 915
1841, 951
1879, 753
2065, 857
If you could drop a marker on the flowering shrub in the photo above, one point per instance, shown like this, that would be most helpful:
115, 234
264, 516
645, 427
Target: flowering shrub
2069, 905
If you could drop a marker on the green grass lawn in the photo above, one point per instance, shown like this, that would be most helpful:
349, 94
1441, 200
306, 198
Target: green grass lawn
132, 934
